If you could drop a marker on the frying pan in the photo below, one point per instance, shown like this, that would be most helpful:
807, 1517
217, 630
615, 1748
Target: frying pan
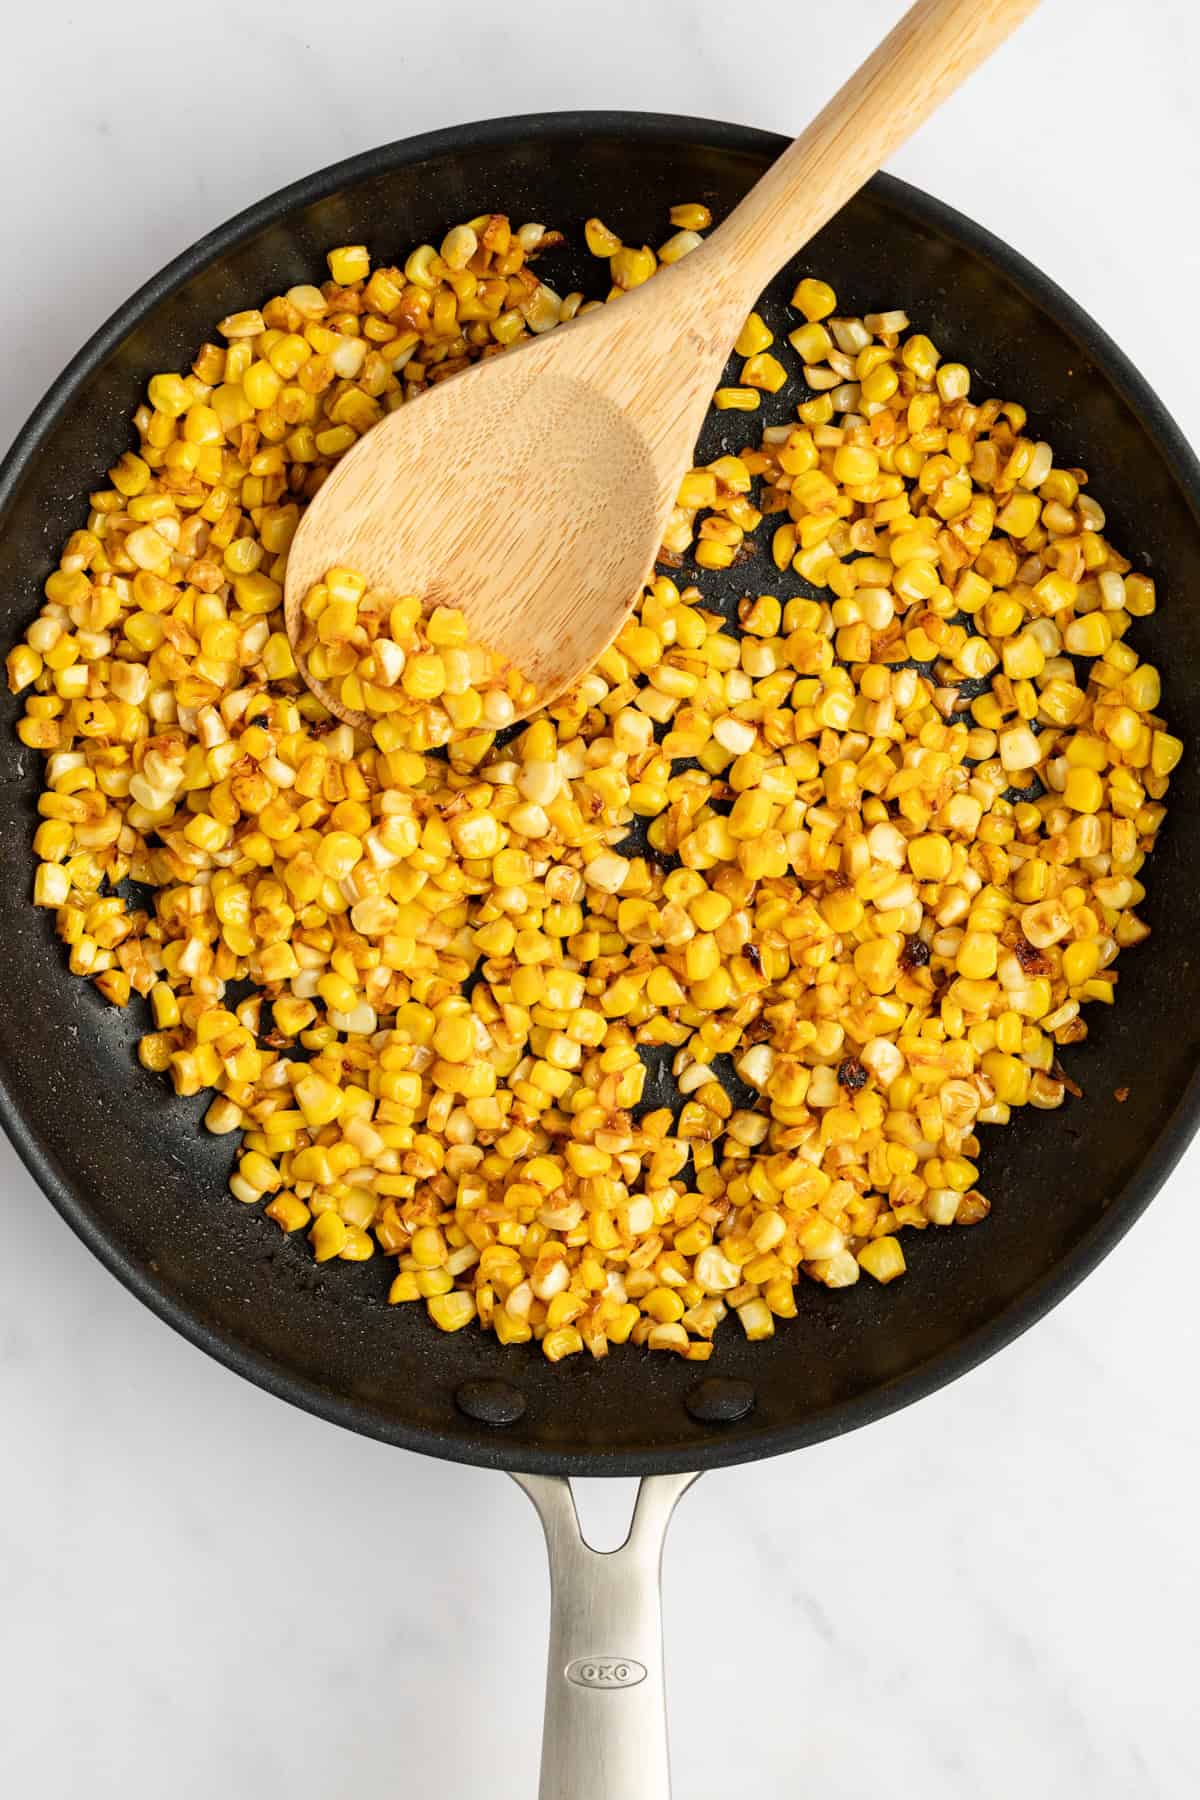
132, 1172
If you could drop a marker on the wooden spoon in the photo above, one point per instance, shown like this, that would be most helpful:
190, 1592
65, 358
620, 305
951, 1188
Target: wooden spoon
533, 489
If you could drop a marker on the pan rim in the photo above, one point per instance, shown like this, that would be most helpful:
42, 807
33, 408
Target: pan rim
722, 1447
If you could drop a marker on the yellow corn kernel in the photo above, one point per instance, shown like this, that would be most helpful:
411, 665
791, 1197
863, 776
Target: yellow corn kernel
756, 1320
630, 268
691, 216
349, 263
1084, 790
883, 1258
1165, 752
1090, 635
328, 1236
977, 955
930, 858
815, 299
1081, 961
764, 371
169, 394
754, 336
24, 666
599, 239
288, 1211
450, 1312
51, 885
735, 399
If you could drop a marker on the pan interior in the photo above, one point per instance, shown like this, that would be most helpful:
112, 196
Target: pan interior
129, 1166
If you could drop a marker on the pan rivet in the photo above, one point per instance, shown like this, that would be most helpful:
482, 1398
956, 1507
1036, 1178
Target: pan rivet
719, 1402
491, 1402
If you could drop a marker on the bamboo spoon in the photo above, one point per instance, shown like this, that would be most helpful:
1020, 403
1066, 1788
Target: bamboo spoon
532, 490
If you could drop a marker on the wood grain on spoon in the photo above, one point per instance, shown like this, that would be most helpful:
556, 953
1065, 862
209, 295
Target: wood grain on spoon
532, 490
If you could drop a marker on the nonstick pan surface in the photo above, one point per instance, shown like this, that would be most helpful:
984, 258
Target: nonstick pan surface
129, 1166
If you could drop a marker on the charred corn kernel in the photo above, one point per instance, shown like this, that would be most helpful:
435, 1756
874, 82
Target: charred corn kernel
289, 1212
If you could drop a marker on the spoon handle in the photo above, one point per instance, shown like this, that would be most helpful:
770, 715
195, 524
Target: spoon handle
926, 55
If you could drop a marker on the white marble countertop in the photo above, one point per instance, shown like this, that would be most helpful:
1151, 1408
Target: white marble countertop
205, 1593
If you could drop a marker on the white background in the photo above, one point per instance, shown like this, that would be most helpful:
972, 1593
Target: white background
204, 1593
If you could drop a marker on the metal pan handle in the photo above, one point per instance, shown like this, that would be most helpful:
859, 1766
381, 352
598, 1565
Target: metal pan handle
605, 1735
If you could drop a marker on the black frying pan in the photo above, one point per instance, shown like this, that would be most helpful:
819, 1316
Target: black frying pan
130, 1170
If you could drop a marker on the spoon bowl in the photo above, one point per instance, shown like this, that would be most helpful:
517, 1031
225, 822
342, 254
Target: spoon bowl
465, 505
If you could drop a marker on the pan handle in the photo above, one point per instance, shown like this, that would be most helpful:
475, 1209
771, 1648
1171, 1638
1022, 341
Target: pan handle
605, 1735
